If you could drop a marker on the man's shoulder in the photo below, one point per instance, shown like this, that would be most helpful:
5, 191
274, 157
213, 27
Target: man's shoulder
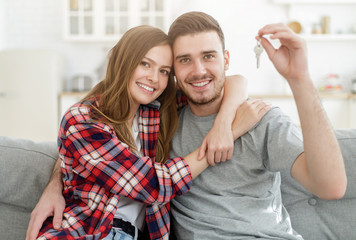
275, 116
274, 113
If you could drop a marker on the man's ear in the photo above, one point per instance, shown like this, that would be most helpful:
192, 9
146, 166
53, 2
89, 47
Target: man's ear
226, 60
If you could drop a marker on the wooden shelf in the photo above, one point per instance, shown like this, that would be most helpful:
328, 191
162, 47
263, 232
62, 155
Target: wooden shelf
72, 94
337, 95
314, 1
329, 37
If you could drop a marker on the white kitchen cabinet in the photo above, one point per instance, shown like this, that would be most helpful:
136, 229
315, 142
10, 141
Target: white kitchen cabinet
90, 20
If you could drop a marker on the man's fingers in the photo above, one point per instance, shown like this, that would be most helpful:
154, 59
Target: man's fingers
273, 28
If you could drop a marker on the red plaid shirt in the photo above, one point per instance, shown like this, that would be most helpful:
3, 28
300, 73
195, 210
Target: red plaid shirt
98, 169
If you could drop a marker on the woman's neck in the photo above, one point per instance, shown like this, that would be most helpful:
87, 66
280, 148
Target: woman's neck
132, 115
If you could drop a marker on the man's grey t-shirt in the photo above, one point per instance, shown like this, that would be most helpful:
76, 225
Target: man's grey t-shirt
241, 198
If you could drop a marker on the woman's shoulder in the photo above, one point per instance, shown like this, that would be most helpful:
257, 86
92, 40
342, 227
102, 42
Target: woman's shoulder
79, 112
80, 109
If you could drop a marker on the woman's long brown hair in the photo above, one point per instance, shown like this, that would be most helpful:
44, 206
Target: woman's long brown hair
114, 98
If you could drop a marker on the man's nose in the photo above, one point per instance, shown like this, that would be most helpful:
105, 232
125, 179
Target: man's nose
199, 67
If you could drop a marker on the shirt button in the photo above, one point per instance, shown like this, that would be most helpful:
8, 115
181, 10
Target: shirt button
312, 201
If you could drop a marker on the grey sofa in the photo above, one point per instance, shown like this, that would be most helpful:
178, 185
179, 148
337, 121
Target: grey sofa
25, 167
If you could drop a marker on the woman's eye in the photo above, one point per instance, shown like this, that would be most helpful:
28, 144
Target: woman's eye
165, 72
146, 64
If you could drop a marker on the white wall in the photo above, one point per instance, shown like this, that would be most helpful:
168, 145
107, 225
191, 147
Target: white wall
38, 24
2, 22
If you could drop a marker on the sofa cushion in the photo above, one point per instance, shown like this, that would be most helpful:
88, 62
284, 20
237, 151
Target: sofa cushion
315, 218
25, 168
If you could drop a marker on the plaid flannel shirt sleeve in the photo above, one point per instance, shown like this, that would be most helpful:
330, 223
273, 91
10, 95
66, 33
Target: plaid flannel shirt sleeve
99, 156
181, 100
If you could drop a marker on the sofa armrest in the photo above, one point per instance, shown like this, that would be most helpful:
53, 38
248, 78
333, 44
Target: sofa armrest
25, 168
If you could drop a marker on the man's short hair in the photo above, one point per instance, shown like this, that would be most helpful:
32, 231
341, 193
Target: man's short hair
194, 22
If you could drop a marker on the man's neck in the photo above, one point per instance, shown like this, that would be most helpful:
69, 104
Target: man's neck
207, 109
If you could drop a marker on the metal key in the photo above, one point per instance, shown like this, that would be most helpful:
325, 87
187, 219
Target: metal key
258, 51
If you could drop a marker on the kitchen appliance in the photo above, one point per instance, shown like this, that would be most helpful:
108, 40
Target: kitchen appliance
81, 83
353, 85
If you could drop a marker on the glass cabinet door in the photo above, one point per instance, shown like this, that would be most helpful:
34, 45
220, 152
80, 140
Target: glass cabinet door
89, 20
81, 17
152, 13
117, 13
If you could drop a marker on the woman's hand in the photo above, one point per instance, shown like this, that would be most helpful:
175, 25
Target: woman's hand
248, 115
218, 144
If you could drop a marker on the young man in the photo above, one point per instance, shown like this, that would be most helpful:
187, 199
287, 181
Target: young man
241, 199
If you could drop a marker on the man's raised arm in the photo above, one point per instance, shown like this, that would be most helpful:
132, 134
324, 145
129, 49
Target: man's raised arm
320, 169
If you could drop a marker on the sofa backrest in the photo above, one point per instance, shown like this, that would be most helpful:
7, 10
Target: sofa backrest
25, 168
315, 218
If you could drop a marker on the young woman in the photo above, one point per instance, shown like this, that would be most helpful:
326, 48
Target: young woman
114, 145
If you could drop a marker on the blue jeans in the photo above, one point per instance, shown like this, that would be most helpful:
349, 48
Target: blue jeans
117, 234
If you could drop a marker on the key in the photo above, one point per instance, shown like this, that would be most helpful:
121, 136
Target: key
258, 51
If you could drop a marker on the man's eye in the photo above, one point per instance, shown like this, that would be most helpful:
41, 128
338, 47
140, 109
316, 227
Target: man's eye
209, 56
185, 60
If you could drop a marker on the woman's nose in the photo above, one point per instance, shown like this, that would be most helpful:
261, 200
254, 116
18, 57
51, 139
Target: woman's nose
153, 76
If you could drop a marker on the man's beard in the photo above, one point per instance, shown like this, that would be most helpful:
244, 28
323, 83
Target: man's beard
205, 100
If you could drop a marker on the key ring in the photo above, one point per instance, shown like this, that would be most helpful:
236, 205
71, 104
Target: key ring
259, 43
